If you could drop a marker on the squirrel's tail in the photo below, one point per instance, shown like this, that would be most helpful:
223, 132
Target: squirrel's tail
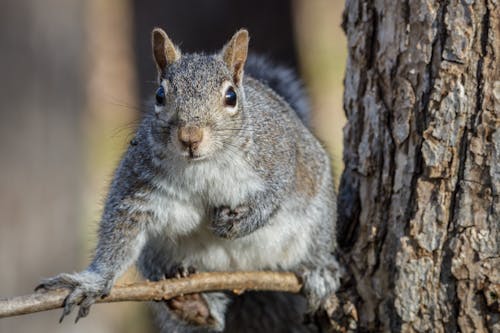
283, 81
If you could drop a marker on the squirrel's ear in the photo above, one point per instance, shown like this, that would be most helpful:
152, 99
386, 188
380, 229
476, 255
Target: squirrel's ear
235, 53
165, 52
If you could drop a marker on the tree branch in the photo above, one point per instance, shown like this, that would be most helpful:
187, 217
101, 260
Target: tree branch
237, 282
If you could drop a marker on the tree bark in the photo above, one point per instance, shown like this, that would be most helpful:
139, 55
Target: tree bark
419, 197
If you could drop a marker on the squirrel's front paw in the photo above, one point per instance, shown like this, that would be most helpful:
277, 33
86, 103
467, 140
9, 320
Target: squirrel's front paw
318, 285
85, 287
226, 222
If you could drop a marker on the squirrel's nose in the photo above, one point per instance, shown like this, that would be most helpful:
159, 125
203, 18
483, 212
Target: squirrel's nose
190, 137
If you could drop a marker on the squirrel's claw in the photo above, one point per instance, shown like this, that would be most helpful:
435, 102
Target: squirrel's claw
61, 281
84, 309
68, 307
41, 286
69, 304
84, 287
180, 271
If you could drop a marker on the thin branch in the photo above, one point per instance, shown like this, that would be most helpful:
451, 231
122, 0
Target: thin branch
237, 282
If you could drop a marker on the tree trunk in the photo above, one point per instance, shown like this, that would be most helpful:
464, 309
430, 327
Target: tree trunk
419, 197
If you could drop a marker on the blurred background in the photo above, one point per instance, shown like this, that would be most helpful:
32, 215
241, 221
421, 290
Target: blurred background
75, 76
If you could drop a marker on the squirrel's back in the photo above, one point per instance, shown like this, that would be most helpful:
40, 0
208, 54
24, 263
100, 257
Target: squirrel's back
283, 81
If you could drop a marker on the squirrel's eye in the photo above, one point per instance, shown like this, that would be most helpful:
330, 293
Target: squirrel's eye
230, 97
160, 96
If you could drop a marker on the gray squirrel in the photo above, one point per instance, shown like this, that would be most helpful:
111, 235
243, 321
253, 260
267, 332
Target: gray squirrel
223, 175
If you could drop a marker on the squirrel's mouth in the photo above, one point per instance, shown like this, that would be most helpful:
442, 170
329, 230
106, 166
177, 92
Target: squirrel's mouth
193, 155
197, 158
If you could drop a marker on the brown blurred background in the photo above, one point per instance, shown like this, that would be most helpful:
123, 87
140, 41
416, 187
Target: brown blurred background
75, 76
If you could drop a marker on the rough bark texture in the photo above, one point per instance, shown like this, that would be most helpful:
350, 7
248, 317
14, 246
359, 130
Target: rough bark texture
420, 193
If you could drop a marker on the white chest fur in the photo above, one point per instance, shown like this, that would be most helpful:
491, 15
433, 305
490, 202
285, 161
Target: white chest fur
180, 209
183, 197
281, 244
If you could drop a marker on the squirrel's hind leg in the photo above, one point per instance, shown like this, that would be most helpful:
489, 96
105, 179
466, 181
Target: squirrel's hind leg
199, 312
190, 313
193, 313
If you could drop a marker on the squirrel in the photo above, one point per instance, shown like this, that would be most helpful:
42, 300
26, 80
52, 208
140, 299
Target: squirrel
223, 175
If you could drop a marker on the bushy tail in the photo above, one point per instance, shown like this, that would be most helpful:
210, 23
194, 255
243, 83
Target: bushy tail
283, 81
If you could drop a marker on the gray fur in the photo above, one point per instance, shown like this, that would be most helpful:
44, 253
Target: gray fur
283, 81
259, 197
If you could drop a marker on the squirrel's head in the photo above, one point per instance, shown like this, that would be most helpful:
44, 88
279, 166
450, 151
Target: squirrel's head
200, 98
